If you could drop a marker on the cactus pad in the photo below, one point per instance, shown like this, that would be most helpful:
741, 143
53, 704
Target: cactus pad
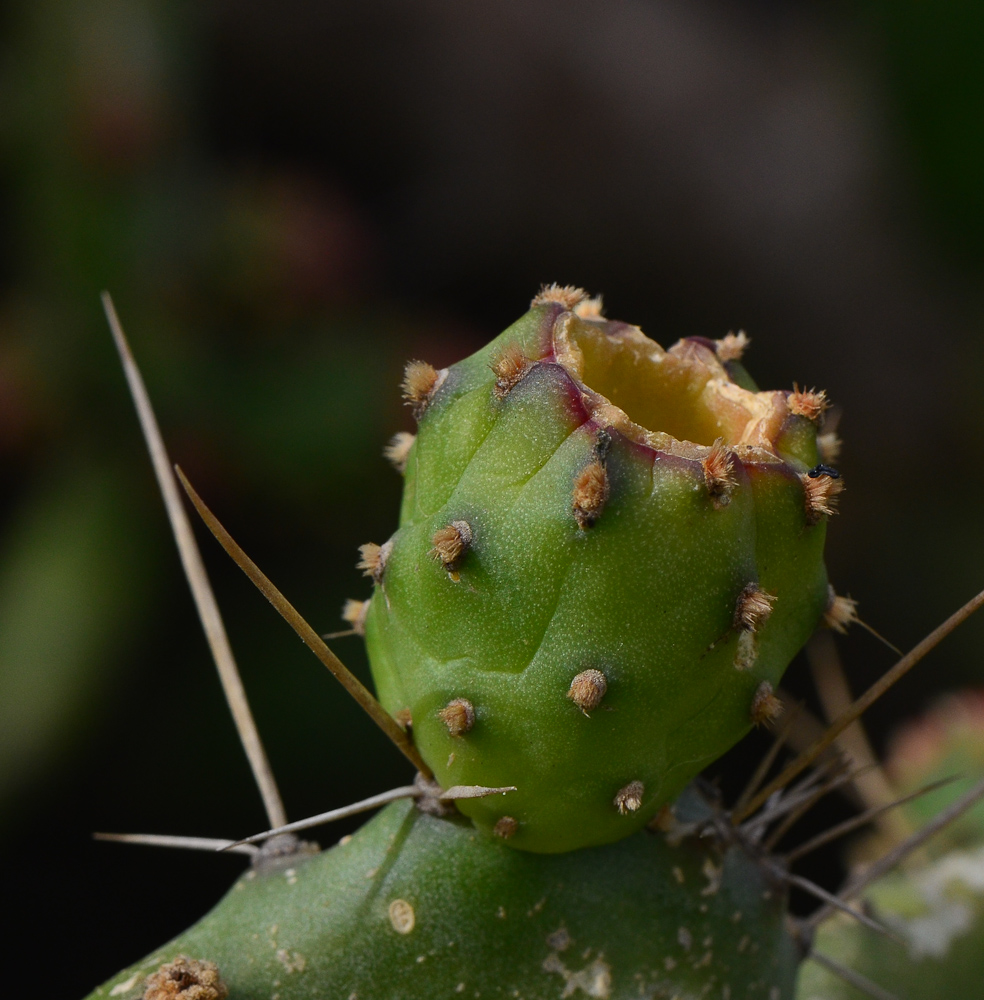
416, 907
607, 555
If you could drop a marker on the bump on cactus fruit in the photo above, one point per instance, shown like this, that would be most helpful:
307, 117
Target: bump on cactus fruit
580, 503
418, 907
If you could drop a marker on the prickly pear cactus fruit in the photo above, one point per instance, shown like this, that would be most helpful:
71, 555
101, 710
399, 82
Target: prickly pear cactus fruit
413, 907
607, 555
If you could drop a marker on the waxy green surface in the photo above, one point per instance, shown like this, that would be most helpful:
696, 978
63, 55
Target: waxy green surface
647, 595
635, 919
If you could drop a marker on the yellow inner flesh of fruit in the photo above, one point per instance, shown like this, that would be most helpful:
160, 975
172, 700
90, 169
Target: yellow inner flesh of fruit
684, 392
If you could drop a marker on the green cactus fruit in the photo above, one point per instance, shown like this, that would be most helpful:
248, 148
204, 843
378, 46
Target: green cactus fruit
607, 555
418, 907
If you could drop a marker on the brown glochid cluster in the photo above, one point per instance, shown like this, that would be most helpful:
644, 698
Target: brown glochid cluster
718, 473
354, 612
732, 346
509, 368
840, 611
820, 496
752, 608
505, 827
569, 296
451, 543
809, 403
373, 561
398, 448
590, 308
458, 715
766, 706
587, 689
590, 493
186, 979
629, 799
420, 382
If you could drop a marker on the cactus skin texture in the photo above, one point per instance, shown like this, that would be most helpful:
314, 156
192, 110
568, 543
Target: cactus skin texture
413, 906
639, 513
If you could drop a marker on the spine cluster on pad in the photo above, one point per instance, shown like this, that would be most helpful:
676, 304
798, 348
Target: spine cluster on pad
607, 555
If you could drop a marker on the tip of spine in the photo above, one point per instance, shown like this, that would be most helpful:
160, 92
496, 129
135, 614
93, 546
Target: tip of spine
732, 346
398, 448
420, 382
766, 706
753, 607
569, 296
458, 715
354, 612
820, 495
840, 611
719, 473
373, 561
809, 403
509, 367
589, 493
451, 543
629, 799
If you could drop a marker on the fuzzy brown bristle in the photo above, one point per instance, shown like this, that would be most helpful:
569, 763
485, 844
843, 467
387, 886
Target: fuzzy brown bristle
820, 496
509, 367
752, 608
420, 382
569, 296
373, 561
590, 309
766, 707
629, 799
398, 448
587, 689
809, 403
354, 612
718, 473
505, 827
590, 493
451, 543
458, 715
840, 611
829, 447
732, 346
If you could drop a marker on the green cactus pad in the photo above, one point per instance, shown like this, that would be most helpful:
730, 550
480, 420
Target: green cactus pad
581, 503
414, 907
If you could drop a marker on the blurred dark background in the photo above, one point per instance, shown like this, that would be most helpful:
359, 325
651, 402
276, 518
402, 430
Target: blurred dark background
289, 199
